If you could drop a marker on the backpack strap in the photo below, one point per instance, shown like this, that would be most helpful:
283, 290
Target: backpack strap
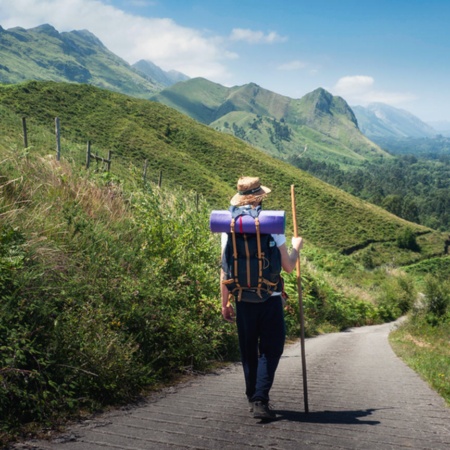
260, 257
235, 259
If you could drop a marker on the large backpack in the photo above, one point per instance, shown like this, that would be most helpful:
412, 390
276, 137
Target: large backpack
251, 261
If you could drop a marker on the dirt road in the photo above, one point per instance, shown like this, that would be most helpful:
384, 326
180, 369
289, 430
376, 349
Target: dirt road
361, 396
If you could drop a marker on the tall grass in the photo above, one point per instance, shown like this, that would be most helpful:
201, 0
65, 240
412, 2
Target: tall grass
103, 293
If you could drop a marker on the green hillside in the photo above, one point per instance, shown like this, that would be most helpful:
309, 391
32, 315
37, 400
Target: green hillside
198, 158
319, 124
42, 53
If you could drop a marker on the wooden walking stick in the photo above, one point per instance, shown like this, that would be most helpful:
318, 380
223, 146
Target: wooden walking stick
300, 303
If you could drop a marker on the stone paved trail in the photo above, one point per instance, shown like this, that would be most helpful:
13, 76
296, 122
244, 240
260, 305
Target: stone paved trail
361, 396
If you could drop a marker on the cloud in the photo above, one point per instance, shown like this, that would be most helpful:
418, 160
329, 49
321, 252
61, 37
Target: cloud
355, 85
131, 37
359, 89
256, 37
292, 65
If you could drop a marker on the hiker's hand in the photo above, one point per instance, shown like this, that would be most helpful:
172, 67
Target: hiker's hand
228, 313
297, 243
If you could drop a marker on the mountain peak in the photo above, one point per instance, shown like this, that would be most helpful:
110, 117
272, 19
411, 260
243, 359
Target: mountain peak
46, 29
321, 99
86, 36
150, 69
324, 103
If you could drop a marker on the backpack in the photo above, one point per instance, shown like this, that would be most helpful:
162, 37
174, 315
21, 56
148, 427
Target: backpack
251, 261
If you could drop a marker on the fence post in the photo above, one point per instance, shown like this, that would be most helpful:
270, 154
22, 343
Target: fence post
88, 154
58, 139
109, 160
25, 136
160, 179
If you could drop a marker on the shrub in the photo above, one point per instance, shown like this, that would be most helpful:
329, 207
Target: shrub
325, 307
437, 296
396, 297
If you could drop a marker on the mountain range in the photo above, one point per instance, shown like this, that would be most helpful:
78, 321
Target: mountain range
319, 124
378, 120
42, 53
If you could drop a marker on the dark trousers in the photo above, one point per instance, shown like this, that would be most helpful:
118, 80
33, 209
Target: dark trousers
261, 332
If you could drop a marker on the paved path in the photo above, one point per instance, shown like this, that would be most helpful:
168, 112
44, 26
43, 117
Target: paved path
361, 396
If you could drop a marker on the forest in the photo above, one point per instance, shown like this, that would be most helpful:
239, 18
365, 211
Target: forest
416, 188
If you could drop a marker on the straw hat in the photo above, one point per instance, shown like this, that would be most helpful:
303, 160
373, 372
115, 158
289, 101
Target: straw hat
249, 190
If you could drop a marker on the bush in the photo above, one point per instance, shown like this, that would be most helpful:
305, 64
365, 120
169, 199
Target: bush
325, 308
437, 297
397, 296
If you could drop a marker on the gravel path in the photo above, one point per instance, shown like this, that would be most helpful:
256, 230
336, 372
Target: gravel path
361, 396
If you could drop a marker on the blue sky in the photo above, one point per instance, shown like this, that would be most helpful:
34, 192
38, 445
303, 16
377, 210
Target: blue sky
389, 51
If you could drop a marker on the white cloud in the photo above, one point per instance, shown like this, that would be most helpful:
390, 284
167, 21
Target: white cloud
355, 85
256, 37
292, 65
359, 89
131, 37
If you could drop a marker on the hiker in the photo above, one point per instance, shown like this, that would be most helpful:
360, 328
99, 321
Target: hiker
260, 324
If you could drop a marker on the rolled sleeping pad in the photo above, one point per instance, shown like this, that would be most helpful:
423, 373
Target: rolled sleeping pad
270, 222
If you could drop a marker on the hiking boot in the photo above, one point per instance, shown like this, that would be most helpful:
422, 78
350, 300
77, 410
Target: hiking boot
262, 411
250, 406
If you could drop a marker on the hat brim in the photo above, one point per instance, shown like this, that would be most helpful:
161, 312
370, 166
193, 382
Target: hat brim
239, 199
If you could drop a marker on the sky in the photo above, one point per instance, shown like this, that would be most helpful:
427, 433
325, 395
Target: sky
395, 52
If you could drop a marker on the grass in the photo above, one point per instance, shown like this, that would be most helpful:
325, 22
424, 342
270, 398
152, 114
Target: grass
426, 349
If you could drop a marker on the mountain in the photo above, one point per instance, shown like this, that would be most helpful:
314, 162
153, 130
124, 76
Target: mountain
380, 121
42, 53
320, 124
193, 156
155, 73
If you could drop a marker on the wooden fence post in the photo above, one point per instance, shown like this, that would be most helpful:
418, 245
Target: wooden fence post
58, 139
25, 136
88, 154
109, 160
160, 179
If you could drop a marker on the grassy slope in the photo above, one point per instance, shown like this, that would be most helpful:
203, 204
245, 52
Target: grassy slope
198, 158
200, 101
